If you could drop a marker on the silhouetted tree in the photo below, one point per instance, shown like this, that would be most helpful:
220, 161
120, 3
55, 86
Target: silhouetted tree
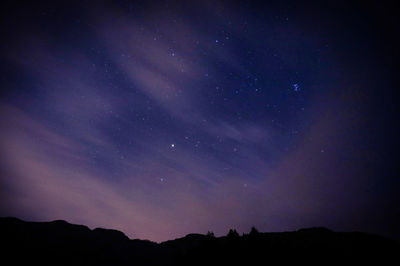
210, 234
61, 243
233, 233
254, 231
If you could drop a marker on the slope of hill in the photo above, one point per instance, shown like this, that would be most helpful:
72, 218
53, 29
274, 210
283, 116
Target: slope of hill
62, 243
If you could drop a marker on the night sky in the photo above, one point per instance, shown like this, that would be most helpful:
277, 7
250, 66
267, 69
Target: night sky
165, 118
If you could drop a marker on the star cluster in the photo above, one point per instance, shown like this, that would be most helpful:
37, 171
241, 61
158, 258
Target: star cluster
165, 119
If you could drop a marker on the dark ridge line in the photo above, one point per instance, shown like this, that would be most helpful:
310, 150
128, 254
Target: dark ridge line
313, 229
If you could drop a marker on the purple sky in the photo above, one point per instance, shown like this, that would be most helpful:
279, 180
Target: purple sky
163, 120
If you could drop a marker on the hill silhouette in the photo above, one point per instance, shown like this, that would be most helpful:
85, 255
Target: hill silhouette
62, 243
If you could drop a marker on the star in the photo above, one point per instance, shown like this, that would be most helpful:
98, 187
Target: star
229, 90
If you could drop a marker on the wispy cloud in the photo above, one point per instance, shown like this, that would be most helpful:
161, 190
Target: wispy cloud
121, 121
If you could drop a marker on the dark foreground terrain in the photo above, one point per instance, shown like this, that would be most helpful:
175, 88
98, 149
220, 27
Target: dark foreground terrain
61, 243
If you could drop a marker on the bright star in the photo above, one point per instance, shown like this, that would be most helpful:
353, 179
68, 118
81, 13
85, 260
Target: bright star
172, 145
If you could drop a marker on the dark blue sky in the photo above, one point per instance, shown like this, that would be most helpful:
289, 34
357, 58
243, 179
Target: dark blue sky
165, 118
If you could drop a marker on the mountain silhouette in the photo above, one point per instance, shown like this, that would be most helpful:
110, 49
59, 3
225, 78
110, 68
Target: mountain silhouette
61, 243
